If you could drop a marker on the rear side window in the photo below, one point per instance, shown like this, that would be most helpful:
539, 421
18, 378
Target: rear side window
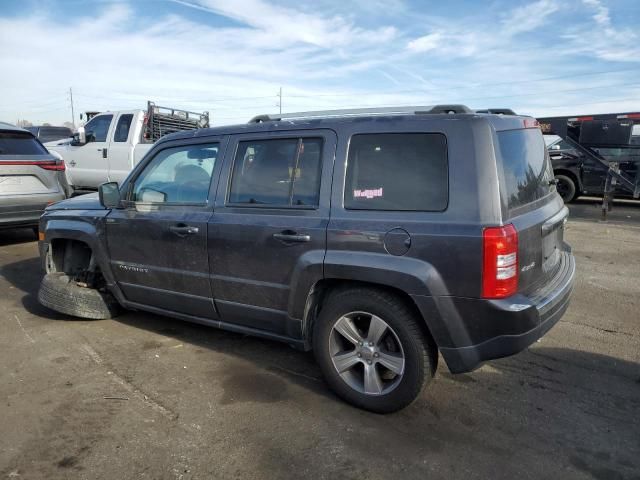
397, 171
122, 128
20, 143
526, 168
280, 172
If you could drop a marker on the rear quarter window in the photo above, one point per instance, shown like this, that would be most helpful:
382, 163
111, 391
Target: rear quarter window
525, 165
20, 143
398, 172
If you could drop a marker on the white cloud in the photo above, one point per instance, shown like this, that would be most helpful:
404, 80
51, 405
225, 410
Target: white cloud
604, 40
291, 25
328, 58
425, 43
528, 17
601, 15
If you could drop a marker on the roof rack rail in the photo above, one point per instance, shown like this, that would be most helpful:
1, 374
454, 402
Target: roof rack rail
497, 111
410, 110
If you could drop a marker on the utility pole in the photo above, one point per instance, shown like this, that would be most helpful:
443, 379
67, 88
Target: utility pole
280, 100
73, 114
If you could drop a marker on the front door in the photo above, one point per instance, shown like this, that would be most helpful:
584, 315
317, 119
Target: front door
87, 164
158, 242
269, 227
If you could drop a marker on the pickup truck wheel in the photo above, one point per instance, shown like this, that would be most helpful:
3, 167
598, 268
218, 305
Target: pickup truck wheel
371, 349
58, 292
566, 187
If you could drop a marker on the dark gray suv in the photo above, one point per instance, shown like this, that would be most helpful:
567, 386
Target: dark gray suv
377, 238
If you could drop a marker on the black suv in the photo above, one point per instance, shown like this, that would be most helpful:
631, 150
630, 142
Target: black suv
376, 238
50, 134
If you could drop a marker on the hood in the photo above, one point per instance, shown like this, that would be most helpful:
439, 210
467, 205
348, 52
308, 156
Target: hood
89, 201
59, 143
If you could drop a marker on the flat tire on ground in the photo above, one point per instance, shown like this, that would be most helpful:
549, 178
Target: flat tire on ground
60, 293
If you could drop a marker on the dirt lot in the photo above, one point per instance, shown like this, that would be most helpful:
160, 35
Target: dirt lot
154, 398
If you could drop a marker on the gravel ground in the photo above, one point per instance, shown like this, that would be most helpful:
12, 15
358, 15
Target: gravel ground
148, 397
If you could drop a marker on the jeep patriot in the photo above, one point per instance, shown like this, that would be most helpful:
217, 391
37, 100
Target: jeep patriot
378, 238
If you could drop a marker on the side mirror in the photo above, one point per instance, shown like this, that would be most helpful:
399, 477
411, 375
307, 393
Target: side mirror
109, 195
555, 147
79, 138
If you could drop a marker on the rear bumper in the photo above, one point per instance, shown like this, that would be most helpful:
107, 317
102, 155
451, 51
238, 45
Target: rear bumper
25, 211
508, 326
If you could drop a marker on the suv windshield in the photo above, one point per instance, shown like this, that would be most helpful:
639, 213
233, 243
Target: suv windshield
20, 143
525, 166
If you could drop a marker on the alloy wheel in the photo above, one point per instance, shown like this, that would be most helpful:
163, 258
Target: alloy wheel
366, 353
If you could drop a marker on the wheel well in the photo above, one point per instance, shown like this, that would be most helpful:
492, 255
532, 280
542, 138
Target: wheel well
323, 288
74, 258
572, 176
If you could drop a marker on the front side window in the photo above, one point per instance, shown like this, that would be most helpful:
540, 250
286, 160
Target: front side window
397, 171
96, 130
122, 128
177, 175
281, 172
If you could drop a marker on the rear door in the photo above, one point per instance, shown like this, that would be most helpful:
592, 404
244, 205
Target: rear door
158, 242
120, 148
533, 206
270, 222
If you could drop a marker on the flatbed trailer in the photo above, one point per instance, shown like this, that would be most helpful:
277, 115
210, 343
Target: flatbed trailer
589, 134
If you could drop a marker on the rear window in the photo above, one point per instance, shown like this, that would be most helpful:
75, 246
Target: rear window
397, 171
20, 143
525, 164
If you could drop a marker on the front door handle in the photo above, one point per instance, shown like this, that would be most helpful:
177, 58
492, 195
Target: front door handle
289, 236
104, 152
183, 230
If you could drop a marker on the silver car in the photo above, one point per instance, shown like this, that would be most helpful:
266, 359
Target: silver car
30, 178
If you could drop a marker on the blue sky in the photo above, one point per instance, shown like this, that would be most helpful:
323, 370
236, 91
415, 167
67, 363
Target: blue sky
541, 57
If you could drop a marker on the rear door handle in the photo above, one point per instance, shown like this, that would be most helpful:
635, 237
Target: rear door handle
292, 237
183, 230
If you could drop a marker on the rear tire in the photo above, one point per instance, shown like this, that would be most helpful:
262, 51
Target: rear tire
58, 292
403, 341
566, 187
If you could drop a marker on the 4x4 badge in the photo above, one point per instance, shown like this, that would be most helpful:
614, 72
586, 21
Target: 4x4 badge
526, 268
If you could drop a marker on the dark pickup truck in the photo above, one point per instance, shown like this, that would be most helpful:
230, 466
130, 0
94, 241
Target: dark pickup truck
579, 175
378, 238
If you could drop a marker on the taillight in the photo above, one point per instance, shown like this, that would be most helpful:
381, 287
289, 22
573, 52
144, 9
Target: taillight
54, 165
45, 164
500, 262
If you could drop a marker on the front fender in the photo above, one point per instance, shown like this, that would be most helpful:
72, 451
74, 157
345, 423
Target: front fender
83, 228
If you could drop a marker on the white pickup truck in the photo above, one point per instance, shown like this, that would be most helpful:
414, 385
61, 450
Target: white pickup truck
110, 144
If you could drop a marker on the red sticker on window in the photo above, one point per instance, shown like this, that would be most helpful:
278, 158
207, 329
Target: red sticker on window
368, 193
